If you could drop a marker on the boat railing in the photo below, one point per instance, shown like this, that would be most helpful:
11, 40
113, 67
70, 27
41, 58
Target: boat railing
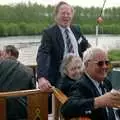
37, 103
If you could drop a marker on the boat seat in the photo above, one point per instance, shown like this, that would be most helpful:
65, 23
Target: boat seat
37, 101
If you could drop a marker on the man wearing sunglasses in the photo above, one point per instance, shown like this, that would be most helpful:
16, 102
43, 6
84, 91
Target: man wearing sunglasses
91, 96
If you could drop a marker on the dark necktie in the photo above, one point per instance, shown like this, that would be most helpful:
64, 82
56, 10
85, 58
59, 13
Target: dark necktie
68, 42
102, 88
110, 114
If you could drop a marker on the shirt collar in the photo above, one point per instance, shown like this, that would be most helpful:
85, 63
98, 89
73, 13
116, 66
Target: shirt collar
95, 82
63, 28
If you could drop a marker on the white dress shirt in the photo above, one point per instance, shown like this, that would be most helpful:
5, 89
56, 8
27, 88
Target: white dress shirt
72, 38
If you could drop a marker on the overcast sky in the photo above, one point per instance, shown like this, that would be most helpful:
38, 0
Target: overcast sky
82, 3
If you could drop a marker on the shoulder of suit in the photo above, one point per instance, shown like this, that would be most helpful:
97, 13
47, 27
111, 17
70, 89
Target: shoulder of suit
75, 27
54, 28
51, 29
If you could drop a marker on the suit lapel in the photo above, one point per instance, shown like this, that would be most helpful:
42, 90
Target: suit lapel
59, 39
75, 32
91, 85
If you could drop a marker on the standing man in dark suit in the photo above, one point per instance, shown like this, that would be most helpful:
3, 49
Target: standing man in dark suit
91, 95
54, 46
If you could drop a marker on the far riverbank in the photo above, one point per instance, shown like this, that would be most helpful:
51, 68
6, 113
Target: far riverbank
28, 45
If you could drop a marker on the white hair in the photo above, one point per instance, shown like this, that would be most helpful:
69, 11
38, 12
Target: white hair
66, 60
91, 52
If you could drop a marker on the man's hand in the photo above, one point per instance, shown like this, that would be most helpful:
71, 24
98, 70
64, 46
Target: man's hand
110, 99
44, 85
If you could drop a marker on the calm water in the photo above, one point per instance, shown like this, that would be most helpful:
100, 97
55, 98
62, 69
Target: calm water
28, 45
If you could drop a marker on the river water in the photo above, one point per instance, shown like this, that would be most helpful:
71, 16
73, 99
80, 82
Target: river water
28, 45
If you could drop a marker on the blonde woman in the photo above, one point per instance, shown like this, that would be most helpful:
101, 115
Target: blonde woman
71, 70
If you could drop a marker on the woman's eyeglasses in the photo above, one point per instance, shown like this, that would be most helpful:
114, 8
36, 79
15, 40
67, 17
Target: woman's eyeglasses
101, 63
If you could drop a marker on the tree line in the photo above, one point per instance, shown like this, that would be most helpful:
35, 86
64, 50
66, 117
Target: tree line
32, 19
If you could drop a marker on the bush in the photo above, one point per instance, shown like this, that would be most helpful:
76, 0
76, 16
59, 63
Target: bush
13, 29
114, 55
3, 31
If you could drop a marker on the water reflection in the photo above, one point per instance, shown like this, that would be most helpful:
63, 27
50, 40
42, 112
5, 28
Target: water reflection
109, 41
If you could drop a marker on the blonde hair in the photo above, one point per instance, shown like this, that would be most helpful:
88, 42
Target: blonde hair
66, 60
59, 5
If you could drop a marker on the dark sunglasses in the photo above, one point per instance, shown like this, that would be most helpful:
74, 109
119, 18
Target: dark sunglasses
101, 63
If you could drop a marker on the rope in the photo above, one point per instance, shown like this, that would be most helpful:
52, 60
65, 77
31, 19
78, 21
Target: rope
102, 8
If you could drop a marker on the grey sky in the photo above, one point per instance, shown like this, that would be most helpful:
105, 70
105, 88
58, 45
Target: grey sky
82, 3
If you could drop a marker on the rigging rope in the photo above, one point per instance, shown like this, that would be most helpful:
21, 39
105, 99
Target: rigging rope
102, 8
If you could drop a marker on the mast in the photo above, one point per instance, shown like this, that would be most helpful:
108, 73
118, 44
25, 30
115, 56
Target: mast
99, 21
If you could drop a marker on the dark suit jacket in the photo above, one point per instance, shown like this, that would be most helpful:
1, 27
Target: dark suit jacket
51, 50
81, 102
15, 76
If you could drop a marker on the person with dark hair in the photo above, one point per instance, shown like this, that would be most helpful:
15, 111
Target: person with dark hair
15, 76
10, 51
